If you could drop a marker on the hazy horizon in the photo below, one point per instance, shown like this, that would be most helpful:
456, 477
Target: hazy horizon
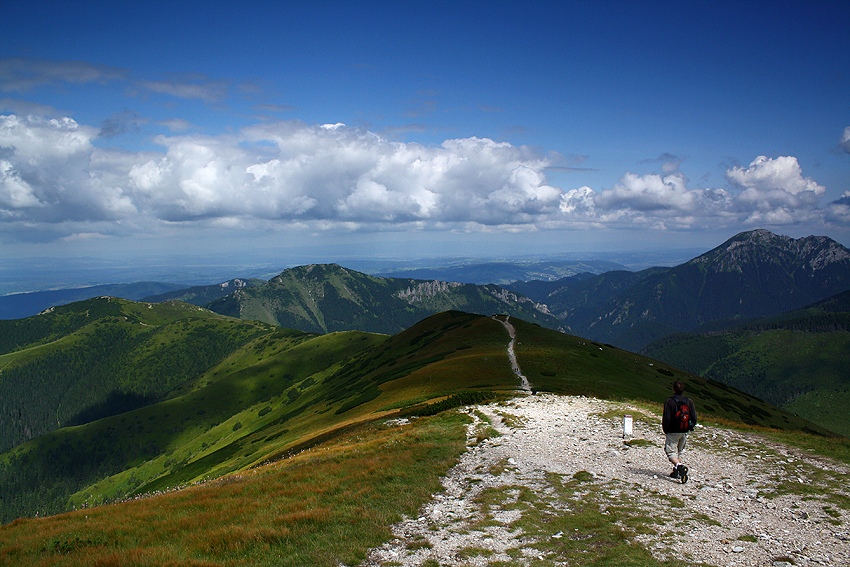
49, 273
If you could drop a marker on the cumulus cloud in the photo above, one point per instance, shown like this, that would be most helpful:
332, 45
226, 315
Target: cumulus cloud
328, 175
768, 192
332, 176
653, 200
839, 210
51, 172
775, 191
845, 140
780, 174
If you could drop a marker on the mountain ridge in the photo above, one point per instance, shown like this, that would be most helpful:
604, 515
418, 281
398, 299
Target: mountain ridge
329, 297
752, 274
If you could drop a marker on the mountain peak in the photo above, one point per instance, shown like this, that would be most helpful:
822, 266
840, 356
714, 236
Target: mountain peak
313, 270
761, 246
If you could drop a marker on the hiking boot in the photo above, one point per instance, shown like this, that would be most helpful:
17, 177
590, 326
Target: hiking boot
675, 473
682, 472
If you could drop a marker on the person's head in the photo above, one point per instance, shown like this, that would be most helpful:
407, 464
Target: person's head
678, 387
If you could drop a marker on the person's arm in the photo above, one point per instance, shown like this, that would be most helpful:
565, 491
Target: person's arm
665, 417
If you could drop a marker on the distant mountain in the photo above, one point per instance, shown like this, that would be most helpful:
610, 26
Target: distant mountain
754, 274
204, 294
796, 361
539, 290
502, 273
325, 298
20, 305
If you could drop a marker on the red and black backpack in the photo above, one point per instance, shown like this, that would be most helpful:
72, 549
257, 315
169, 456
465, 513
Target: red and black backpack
682, 419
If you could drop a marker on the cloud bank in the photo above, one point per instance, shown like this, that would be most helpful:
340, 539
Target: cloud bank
54, 174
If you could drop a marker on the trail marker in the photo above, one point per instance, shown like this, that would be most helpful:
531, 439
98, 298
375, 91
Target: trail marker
627, 427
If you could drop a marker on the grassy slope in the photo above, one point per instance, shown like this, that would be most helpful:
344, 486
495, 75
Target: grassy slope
104, 356
329, 504
278, 393
801, 371
323, 507
572, 365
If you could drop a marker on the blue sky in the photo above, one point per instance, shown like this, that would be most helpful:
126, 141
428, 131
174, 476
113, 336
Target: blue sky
131, 129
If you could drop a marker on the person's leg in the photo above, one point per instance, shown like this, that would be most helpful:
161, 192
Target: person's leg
680, 466
681, 443
671, 448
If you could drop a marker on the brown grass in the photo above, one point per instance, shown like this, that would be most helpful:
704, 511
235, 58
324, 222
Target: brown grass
322, 507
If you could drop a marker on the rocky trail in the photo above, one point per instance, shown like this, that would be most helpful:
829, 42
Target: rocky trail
540, 469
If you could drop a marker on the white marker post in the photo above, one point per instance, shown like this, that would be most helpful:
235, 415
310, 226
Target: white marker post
627, 427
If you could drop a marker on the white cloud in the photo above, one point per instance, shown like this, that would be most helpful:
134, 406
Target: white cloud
839, 210
650, 193
581, 201
15, 193
775, 191
52, 173
783, 174
845, 140
282, 172
317, 177
38, 139
770, 192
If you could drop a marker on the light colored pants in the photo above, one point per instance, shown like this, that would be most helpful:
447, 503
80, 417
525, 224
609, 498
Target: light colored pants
674, 446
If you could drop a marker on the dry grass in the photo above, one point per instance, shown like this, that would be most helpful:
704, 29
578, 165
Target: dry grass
325, 506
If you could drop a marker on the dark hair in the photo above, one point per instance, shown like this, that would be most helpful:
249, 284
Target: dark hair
678, 387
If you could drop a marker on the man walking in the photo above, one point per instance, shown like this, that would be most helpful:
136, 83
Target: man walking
680, 417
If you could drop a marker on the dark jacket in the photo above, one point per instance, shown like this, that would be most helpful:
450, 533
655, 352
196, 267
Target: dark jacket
668, 420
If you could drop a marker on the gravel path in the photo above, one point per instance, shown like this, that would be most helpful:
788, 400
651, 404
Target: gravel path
524, 385
748, 501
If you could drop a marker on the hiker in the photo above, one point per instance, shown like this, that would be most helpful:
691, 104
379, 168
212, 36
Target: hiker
679, 418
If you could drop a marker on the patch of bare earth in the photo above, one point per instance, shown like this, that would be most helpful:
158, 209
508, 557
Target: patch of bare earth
747, 502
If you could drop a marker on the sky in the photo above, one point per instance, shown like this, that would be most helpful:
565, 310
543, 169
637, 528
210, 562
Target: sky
395, 129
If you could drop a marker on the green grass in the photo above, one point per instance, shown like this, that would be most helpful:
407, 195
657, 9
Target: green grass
323, 507
801, 368
282, 392
825, 407
570, 365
